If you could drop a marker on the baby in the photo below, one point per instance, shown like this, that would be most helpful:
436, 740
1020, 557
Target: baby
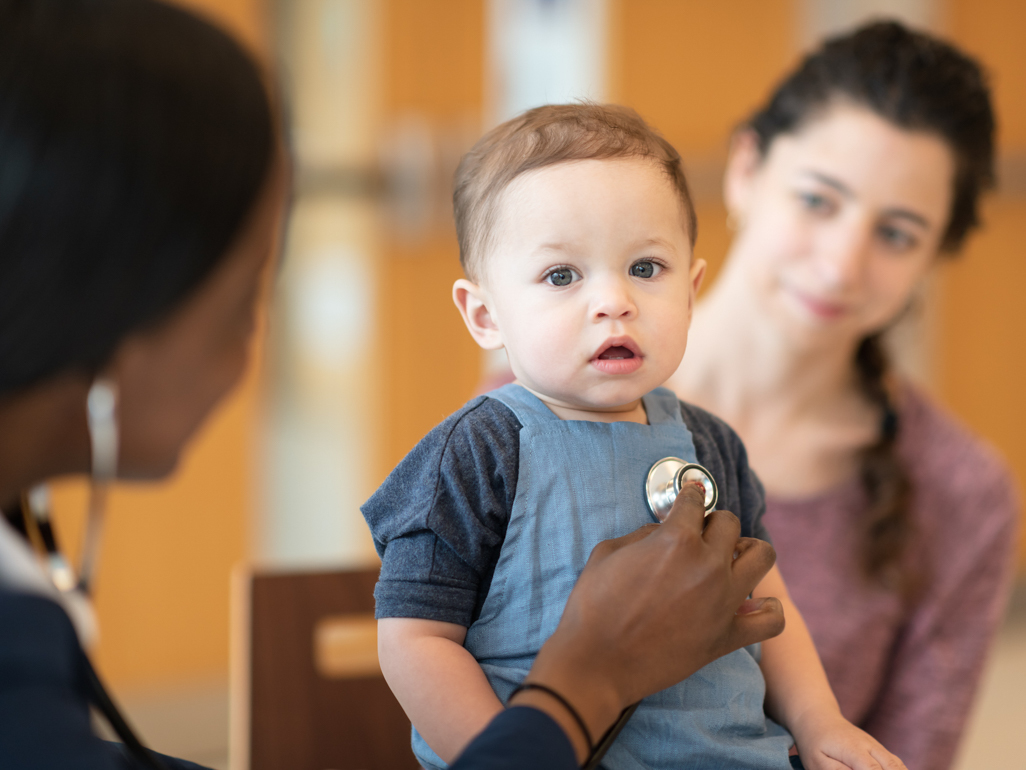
576, 231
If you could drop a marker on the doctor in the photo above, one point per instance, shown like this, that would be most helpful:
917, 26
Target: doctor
142, 187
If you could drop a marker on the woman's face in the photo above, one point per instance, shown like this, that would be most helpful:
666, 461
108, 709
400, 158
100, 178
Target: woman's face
840, 221
171, 376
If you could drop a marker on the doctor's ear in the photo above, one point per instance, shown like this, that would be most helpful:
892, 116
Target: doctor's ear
472, 303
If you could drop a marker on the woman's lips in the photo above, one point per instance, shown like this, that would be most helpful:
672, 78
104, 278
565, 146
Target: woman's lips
828, 311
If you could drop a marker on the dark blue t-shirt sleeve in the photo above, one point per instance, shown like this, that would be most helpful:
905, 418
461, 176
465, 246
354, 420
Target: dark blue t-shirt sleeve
723, 454
440, 517
517, 739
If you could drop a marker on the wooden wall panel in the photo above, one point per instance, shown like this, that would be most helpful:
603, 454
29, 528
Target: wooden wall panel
434, 74
247, 19
993, 31
694, 70
982, 357
983, 322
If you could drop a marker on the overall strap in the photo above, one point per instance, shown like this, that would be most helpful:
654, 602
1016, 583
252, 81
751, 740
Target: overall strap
528, 408
663, 406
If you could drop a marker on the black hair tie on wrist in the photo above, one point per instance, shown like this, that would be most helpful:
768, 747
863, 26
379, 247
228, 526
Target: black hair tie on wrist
565, 703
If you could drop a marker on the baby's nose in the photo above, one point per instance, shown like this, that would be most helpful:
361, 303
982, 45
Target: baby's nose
613, 300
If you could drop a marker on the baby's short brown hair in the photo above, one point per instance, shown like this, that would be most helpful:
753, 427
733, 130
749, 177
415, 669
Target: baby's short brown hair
545, 136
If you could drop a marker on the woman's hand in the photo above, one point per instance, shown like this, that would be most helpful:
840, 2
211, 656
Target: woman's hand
649, 610
828, 741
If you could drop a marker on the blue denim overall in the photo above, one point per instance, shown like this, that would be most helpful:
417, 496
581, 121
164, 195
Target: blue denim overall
580, 483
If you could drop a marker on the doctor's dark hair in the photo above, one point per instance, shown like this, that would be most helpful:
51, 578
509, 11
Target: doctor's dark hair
918, 83
546, 136
134, 141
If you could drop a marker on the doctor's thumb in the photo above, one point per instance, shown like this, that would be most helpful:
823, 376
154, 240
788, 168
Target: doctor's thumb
756, 620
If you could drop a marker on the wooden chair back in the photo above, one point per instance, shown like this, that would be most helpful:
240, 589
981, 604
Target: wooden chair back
307, 692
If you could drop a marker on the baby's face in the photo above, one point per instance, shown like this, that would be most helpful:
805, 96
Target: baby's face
589, 282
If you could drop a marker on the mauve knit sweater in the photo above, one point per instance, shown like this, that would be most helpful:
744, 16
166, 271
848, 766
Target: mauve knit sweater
907, 675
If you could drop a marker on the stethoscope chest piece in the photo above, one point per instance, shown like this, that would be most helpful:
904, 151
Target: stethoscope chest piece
668, 476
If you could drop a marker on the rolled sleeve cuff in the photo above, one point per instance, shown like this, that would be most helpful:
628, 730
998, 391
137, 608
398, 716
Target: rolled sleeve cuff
426, 601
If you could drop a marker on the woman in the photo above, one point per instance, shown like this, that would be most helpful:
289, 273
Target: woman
141, 190
894, 526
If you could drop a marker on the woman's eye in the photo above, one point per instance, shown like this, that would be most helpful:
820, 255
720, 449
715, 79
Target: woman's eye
815, 202
896, 238
644, 269
561, 276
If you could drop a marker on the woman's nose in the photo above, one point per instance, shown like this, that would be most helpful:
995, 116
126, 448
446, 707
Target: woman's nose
844, 257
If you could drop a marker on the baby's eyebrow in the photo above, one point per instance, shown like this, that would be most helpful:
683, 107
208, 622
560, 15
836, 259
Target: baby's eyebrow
656, 241
564, 247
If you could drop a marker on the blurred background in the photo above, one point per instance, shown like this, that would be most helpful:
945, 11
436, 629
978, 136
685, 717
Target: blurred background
364, 352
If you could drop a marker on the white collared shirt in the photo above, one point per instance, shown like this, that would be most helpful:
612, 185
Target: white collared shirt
21, 571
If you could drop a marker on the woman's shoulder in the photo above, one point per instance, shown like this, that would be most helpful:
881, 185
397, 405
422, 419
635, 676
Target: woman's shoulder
935, 441
951, 465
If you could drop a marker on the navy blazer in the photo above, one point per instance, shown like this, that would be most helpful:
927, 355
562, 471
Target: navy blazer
519, 738
44, 707
45, 722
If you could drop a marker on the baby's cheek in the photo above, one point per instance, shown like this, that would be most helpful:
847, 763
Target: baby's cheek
550, 360
673, 328
542, 351
671, 338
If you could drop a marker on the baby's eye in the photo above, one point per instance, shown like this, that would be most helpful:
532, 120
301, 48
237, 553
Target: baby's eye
561, 276
644, 269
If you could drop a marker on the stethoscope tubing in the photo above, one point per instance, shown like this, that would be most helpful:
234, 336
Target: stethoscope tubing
602, 747
39, 519
101, 699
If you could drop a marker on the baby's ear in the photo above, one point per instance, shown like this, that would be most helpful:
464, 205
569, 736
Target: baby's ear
696, 276
473, 306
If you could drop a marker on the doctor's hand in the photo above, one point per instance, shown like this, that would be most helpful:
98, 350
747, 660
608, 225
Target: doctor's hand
649, 610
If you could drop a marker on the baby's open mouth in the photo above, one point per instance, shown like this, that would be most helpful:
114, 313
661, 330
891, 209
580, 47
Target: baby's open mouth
616, 353
619, 355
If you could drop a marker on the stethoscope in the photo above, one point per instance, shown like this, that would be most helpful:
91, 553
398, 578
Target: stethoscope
665, 479
668, 476
32, 518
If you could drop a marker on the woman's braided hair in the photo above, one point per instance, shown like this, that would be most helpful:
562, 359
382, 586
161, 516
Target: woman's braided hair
919, 83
